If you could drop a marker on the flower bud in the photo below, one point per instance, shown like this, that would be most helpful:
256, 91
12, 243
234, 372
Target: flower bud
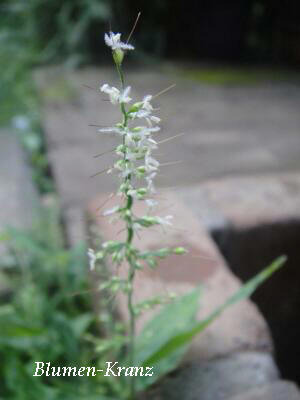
135, 107
142, 191
180, 250
147, 221
118, 56
128, 214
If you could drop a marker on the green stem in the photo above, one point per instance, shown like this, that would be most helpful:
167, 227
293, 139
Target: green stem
131, 272
121, 76
131, 276
131, 333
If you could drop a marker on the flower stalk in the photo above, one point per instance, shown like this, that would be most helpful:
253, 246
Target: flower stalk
134, 165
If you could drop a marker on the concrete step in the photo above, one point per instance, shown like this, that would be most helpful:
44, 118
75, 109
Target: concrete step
18, 195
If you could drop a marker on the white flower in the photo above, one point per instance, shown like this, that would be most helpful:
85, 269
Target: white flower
146, 103
136, 226
165, 220
126, 172
115, 95
150, 163
124, 98
132, 155
151, 203
145, 113
140, 114
153, 129
110, 211
92, 258
112, 129
149, 180
152, 143
144, 132
113, 40
129, 139
153, 118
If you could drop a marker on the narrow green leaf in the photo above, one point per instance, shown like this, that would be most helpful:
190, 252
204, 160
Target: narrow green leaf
162, 368
80, 323
245, 291
174, 318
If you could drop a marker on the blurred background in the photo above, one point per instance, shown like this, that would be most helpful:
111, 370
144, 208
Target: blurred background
243, 42
237, 96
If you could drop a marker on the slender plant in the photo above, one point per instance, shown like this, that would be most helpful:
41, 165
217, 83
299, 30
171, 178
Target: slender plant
172, 329
137, 169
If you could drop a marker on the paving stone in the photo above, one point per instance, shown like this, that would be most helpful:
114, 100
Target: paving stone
229, 130
280, 390
221, 379
18, 196
240, 328
212, 117
248, 201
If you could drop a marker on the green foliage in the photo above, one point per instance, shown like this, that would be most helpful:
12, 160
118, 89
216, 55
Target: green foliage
164, 340
31, 33
173, 319
29, 131
52, 30
45, 315
237, 76
18, 98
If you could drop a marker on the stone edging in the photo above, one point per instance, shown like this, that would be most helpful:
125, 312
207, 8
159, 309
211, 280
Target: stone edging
240, 333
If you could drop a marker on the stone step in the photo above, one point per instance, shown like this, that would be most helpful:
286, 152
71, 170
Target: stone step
222, 379
18, 195
279, 390
243, 202
241, 376
255, 219
228, 130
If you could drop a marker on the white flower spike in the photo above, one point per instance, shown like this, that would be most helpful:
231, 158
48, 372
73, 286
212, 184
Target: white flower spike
136, 168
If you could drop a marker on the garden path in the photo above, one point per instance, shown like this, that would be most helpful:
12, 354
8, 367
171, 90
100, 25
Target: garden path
229, 130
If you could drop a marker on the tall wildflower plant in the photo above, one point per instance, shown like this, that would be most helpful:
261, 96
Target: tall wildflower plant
137, 169
164, 339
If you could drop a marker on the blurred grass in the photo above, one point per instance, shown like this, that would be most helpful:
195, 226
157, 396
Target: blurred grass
60, 91
234, 76
45, 315
34, 33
